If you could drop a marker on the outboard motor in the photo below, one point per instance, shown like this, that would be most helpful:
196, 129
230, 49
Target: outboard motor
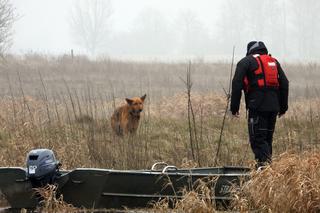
42, 167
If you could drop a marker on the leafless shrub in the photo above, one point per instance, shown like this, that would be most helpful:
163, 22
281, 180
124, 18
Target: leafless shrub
193, 138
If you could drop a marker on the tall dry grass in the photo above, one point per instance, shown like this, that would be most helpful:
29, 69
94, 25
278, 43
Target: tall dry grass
62, 104
200, 199
290, 184
65, 105
52, 202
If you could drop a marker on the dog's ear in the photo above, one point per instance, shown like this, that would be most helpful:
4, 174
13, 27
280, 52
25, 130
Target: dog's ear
143, 97
129, 101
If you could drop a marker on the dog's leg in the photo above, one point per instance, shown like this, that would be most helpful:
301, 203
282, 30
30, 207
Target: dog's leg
119, 130
117, 126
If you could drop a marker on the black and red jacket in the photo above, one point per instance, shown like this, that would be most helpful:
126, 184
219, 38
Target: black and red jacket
264, 90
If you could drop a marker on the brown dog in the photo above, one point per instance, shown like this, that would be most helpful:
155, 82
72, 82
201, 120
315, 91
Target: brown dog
125, 119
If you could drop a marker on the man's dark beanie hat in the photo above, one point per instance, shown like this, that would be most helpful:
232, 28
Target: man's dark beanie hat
254, 46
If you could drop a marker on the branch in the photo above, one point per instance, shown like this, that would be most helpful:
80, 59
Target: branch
225, 112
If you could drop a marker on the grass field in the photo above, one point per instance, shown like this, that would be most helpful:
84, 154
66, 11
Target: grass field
64, 104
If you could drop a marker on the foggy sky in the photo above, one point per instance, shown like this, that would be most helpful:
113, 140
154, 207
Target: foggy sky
44, 27
43, 24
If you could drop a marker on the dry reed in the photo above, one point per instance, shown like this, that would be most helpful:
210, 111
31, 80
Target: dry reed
65, 104
199, 200
51, 202
290, 184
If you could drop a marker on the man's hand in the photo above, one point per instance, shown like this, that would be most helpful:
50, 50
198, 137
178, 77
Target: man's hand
281, 114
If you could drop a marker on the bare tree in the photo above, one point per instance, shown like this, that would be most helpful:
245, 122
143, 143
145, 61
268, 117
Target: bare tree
90, 23
7, 18
193, 35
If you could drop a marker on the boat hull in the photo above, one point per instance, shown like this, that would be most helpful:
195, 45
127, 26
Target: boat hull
102, 188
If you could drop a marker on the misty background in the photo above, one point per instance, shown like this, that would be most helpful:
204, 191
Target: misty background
167, 29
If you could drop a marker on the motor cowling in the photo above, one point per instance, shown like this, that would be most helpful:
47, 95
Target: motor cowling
42, 167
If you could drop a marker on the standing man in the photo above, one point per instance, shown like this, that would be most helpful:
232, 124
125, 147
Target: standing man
266, 95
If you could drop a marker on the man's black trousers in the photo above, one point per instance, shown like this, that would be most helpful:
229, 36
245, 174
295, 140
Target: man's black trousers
261, 127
